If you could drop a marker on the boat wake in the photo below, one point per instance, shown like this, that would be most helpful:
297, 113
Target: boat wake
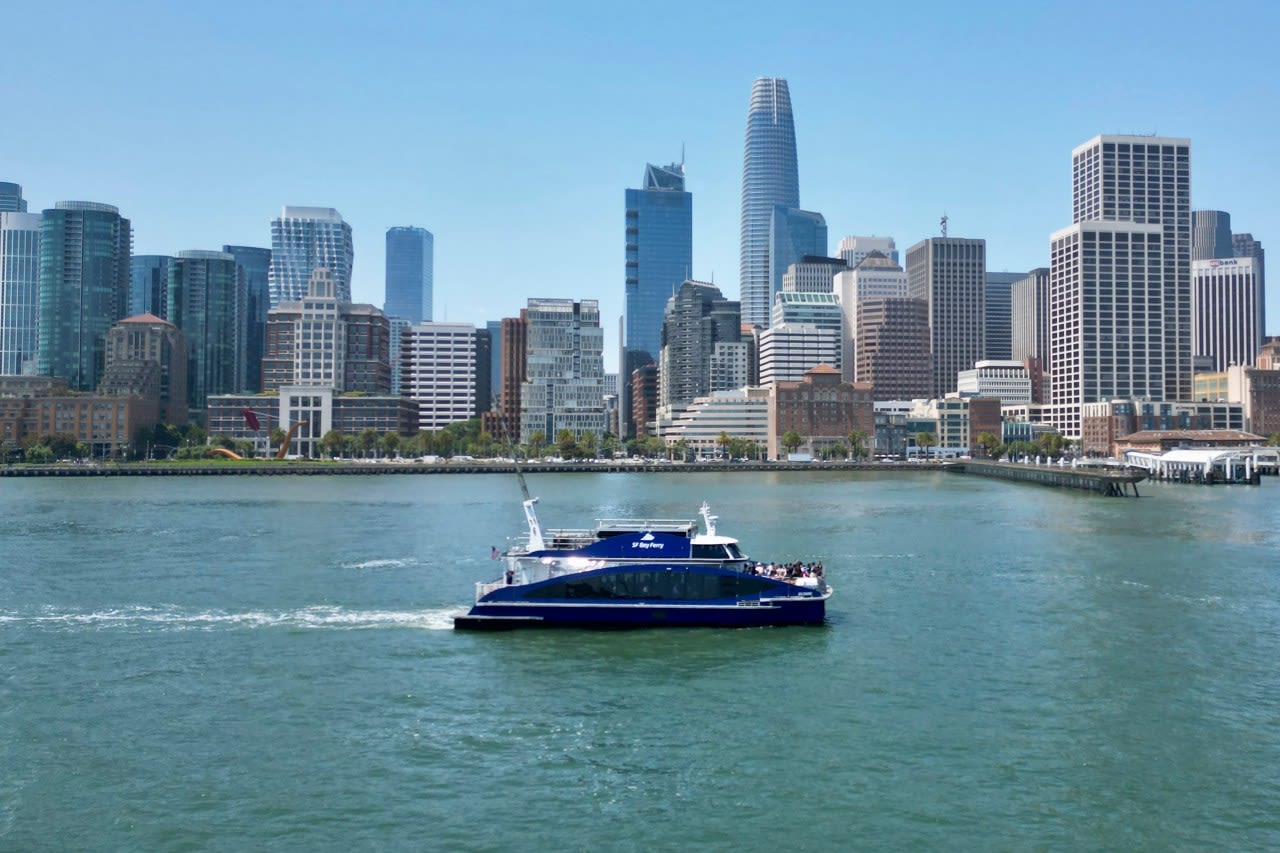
167, 618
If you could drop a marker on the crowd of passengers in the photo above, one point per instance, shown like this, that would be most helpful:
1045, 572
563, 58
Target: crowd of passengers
786, 571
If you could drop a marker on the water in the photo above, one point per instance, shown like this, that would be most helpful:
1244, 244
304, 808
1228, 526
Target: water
234, 663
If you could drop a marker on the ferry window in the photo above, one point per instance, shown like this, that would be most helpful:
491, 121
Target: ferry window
734, 551
708, 552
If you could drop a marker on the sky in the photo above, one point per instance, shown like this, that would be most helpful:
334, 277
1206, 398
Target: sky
511, 130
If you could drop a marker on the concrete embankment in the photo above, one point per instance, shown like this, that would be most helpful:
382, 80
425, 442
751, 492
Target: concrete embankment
268, 468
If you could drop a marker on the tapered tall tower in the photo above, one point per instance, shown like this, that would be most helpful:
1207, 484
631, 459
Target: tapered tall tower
770, 179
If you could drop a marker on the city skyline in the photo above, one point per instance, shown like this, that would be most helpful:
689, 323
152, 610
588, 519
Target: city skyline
523, 178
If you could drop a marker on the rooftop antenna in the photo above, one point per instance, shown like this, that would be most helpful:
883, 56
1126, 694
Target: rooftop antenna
943, 223
682, 157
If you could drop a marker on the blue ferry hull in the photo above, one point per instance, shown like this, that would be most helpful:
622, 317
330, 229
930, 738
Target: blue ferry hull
495, 616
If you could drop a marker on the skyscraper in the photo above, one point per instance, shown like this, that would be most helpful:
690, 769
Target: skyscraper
438, 371
875, 276
1029, 317
854, 248
793, 235
998, 316
206, 304
149, 285
84, 288
659, 246
950, 275
1227, 310
253, 269
770, 178
19, 290
1120, 277
304, 239
410, 260
1210, 235
11, 200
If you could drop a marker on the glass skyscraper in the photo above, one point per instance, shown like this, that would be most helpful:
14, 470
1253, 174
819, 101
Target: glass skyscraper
410, 257
793, 234
205, 302
770, 179
253, 268
11, 200
19, 290
304, 239
659, 245
84, 288
149, 285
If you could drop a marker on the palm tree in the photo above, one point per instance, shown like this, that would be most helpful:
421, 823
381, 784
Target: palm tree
857, 443
791, 440
925, 440
724, 440
989, 442
537, 439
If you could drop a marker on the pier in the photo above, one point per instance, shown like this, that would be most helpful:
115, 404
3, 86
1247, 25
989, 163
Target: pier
1113, 483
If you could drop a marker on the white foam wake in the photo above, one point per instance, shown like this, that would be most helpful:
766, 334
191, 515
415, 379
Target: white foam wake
378, 564
176, 619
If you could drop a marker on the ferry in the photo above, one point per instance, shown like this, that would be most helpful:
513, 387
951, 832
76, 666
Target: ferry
639, 573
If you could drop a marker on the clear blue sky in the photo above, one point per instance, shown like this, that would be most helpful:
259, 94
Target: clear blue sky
512, 130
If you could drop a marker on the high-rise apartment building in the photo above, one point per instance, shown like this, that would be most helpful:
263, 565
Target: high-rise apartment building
1228, 311
19, 290
206, 303
697, 317
1029, 317
438, 371
949, 274
854, 248
998, 317
304, 239
410, 261
1210, 235
564, 383
84, 288
770, 178
253, 269
149, 285
11, 200
659, 252
875, 275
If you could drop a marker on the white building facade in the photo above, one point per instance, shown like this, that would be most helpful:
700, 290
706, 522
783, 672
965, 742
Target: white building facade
789, 350
1227, 310
437, 370
565, 386
304, 239
1008, 380
19, 291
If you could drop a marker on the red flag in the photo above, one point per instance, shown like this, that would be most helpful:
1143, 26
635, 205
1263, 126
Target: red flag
250, 418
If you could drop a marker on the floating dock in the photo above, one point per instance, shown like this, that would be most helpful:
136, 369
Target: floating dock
1113, 483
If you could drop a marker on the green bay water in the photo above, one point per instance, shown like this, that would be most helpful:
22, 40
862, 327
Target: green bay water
245, 663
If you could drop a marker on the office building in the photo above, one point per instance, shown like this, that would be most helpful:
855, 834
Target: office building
741, 413
770, 178
1228, 310
696, 318
410, 259
1010, 381
304, 239
84, 288
949, 274
659, 252
19, 290
812, 274
1244, 246
253, 269
564, 386
854, 248
323, 341
1211, 235
875, 275
11, 200
147, 356
789, 350
1120, 277
892, 352
1029, 317
149, 285
438, 371
998, 314
206, 304
793, 235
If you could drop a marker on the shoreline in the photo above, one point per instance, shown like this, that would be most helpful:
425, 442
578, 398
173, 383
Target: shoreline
269, 468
